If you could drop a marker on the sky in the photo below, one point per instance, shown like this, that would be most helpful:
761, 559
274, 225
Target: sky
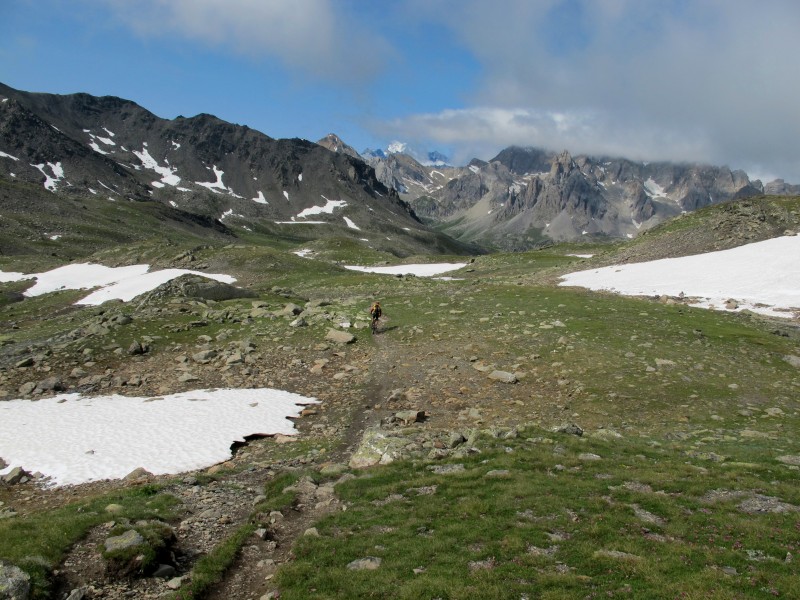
712, 81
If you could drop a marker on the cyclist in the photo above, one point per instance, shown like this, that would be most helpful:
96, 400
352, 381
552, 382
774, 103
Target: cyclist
375, 311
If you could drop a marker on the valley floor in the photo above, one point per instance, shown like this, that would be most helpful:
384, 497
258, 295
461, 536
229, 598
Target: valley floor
626, 402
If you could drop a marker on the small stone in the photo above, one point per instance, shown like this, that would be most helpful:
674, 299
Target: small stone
498, 473
340, 337
588, 456
15, 476
446, 469
139, 473
204, 356
312, 532
27, 388
77, 593
410, 416
570, 429
175, 583
126, 540
503, 377
369, 563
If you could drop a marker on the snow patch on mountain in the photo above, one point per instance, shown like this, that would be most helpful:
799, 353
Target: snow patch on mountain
330, 205
50, 182
217, 186
4, 155
351, 225
655, 190
167, 173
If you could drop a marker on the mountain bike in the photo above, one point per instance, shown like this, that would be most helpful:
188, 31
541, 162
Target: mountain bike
374, 325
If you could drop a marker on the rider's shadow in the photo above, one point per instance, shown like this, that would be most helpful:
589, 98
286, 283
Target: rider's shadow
388, 328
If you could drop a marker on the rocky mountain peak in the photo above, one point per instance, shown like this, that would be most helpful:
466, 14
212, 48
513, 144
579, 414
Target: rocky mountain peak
335, 144
525, 161
561, 167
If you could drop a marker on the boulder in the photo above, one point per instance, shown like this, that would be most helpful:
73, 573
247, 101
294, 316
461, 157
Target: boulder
195, 286
290, 310
137, 348
503, 377
15, 476
369, 563
570, 429
51, 384
15, 584
204, 356
129, 539
406, 417
340, 337
378, 447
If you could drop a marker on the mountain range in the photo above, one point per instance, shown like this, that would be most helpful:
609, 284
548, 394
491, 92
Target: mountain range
234, 180
226, 177
525, 197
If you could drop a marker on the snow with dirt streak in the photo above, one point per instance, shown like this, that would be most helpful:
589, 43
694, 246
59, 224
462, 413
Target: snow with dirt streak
763, 277
74, 439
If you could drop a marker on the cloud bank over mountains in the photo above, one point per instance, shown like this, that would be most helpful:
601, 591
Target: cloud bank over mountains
712, 81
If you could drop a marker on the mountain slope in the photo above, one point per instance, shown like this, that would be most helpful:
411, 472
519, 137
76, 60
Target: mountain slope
112, 148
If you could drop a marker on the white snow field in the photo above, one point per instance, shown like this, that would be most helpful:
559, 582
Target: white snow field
763, 277
420, 270
116, 283
73, 439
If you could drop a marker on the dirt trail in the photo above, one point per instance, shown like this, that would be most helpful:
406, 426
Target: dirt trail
250, 577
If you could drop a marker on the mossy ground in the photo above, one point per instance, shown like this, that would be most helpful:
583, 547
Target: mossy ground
704, 402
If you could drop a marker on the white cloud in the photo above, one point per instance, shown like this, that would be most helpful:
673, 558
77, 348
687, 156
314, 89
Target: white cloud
484, 131
317, 37
710, 81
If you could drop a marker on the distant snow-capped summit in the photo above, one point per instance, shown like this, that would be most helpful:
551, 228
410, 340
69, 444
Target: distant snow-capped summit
437, 159
370, 153
432, 158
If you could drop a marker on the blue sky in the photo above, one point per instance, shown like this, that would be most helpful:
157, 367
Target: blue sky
715, 81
